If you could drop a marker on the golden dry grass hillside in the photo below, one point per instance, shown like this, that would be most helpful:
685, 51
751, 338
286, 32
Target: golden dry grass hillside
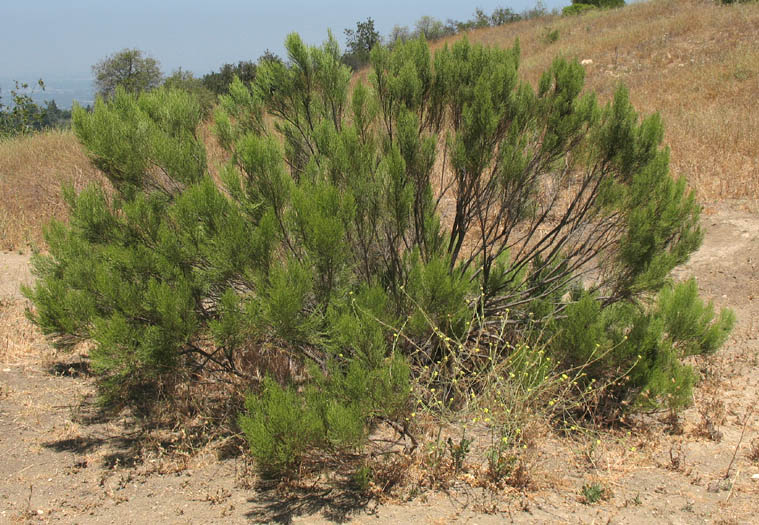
694, 61
32, 171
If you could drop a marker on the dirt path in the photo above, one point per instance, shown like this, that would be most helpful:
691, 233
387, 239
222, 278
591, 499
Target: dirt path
60, 462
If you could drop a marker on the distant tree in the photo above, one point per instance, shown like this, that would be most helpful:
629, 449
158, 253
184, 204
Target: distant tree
481, 19
603, 4
128, 68
431, 28
538, 11
218, 82
499, 17
55, 117
503, 16
268, 56
22, 116
360, 43
398, 35
186, 81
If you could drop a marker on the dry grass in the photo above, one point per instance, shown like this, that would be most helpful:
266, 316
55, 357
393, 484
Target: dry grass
32, 171
694, 61
20, 341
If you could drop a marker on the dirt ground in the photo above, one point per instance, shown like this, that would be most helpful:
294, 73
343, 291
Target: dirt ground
60, 462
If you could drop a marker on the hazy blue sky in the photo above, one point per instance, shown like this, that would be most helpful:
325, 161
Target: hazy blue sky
54, 38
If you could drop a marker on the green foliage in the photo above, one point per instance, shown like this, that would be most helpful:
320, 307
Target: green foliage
54, 117
500, 16
593, 493
280, 427
186, 81
432, 29
583, 6
459, 451
129, 136
23, 116
360, 43
549, 36
324, 262
577, 9
645, 344
117, 273
362, 478
219, 82
283, 425
128, 69
601, 4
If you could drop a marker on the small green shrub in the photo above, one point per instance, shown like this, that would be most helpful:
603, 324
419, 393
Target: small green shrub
646, 343
577, 9
362, 478
549, 36
459, 451
583, 6
593, 493
601, 4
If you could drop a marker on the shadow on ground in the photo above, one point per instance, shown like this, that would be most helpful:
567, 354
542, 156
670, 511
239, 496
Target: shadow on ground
70, 369
272, 504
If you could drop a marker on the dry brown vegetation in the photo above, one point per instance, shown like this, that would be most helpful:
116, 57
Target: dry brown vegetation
694, 61
32, 171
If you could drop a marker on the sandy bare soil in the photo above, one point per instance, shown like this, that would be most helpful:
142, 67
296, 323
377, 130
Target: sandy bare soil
62, 462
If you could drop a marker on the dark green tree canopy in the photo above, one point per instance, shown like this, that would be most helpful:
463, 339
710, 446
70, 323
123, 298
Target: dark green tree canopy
130, 69
219, 81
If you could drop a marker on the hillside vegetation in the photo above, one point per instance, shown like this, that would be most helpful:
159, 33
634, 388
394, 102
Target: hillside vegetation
694, 61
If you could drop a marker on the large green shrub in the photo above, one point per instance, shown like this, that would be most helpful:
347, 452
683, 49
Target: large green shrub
359, 230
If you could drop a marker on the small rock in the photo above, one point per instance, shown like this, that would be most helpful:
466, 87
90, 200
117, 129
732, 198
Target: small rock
755, 476
6, 369
40, 512
713, 486
586, 62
